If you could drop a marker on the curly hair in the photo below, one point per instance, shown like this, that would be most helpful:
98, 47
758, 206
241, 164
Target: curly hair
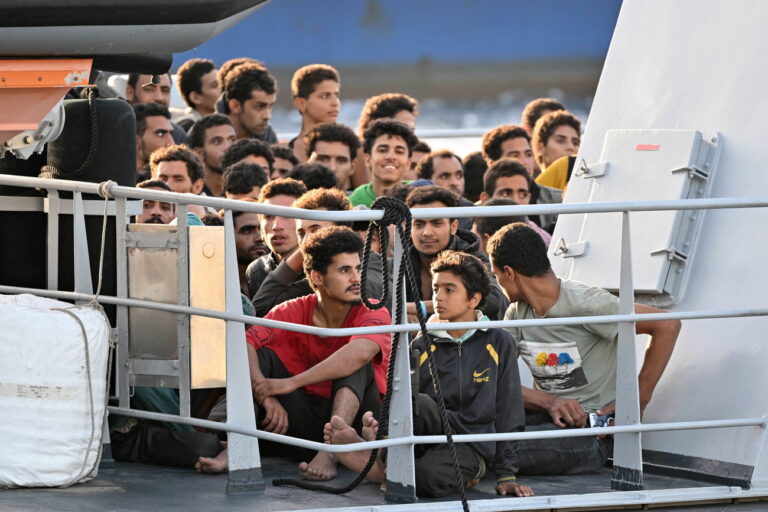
244, 79
535, 109
284, 152
189, 77
490, 225
320, 247
384, 106
246, 147
431, 194
332, 132
305, 79
426, 167
331, 199
495, 137
313, 175
178, 153
242, 177
231, 64
547, 125
282, 187
391, 128
521, 248
504, 168
466, 267
196, 136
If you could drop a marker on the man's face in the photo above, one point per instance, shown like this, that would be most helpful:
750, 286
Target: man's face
519, 148
449, 174
564, 141
158, 134
248, 241
450, 299
253, 194
506, 282
280, 232
280, 169
147, 92
341, 280
175, 174
307, 227
254, 114
322, 106
210, 91
430, 236
156, 212
413, 165
216, 141
335, 156
388, 159
256, 159
513, 187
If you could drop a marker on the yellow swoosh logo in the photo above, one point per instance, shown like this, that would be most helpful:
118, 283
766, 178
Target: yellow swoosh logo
477, 374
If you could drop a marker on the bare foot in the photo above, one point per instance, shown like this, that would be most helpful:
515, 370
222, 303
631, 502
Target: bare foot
370, 426
322, 467
217, 464
338, 432
471, 483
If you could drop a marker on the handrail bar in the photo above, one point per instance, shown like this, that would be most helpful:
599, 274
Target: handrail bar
363, 215
385, 329
437, 439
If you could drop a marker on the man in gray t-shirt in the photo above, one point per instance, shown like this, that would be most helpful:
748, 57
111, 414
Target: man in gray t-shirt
573, 366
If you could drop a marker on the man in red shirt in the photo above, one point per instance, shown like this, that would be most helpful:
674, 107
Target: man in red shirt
300, 380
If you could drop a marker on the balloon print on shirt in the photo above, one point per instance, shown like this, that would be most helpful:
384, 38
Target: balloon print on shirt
554, 366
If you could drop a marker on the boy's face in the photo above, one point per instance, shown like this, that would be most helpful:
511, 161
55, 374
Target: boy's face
430, 236
322, 106
450, 298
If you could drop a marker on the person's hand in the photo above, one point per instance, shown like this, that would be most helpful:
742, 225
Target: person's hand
513, 488
272, 387
276, 417
566, 412
608, 409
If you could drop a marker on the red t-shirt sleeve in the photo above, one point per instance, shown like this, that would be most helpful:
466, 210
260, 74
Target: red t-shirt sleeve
259, 336
368, 318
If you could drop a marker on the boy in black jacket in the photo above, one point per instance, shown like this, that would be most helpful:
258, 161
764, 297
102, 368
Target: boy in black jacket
480, 383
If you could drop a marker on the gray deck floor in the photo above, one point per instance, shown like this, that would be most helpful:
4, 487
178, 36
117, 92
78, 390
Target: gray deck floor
142, 487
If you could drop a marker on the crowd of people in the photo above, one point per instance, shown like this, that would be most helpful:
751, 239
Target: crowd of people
309, 272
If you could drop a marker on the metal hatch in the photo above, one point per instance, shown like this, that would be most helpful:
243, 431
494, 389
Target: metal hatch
643, 165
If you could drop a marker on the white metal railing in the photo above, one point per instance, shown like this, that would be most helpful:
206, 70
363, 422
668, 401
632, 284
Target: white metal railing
627, 452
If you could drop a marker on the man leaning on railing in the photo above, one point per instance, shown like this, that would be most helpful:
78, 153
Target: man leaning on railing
573, 366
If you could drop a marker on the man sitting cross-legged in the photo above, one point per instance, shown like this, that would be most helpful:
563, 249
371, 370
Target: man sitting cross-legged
480, 384
300, 380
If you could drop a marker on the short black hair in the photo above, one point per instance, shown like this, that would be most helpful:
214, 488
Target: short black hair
320, 247
426, 168
189, 77
305, 79
504, 168
231, 64
144, 110
490, 225
213, 219
495, 137
431, 194
400, 191
535, 108
245, 147
243, 176
468, 268
154, 184
391, 128
331, 132
282, 187
313, 175
548, 123
196, 135
386, 106
246, 78
422, 147
521, 248
284, 152
178, 153
474, 169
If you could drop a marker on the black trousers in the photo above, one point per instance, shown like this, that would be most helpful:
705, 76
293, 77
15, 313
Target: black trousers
154, 443
308, 414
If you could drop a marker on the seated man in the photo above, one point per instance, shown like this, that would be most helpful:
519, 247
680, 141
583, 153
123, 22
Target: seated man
156, 212
481, 389
298, 379
573, 366
485, 227
431, 237
244, 180
445, 169
335, 146
287, 281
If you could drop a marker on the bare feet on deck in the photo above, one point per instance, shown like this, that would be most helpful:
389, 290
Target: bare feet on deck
217, 464
338, 432
322, 467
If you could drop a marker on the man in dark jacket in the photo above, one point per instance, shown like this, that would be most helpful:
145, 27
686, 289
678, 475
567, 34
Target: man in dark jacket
477, 370
432, 236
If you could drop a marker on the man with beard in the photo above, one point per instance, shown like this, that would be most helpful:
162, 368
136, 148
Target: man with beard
155, 212
249, 243
301, 380
210, 138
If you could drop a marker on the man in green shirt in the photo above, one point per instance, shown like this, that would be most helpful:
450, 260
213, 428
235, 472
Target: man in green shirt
387, 149
573, 366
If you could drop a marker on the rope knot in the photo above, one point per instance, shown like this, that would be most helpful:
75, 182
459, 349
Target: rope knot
104, 189
395, 211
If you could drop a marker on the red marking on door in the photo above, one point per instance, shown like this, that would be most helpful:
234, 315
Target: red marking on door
647, 147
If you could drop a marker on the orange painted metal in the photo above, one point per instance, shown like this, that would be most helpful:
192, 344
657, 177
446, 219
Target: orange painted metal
30, 88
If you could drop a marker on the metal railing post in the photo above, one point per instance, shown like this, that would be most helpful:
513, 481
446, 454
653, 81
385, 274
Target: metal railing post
627, 451
121, 350
54, 208
244, 459
182, 336
401, 472
83, 280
